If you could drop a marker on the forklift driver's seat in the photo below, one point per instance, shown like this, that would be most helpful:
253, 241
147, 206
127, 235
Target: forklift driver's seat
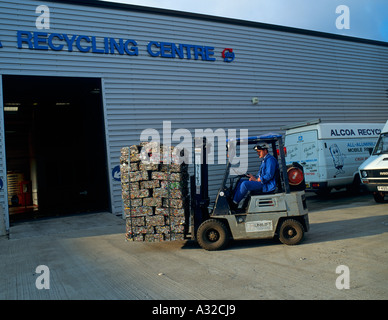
260, 193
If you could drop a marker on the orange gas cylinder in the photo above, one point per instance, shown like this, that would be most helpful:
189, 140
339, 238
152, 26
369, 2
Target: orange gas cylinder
295, 176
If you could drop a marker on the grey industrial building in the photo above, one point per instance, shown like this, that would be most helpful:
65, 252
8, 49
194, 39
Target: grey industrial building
72, 95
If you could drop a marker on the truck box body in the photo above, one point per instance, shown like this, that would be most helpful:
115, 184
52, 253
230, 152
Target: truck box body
374, 171
330, 153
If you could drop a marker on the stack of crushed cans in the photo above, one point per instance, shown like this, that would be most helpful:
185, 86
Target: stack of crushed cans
154, 181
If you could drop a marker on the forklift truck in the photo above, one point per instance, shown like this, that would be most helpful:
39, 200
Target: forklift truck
282, 213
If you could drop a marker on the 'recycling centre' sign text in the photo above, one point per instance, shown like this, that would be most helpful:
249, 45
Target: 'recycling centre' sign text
37, 40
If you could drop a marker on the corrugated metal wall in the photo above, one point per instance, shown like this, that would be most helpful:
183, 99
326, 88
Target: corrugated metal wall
296, 76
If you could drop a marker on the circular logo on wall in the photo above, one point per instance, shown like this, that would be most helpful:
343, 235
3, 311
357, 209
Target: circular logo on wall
116, 174
228, 55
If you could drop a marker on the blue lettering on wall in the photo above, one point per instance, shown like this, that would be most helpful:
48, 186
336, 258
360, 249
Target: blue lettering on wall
182, 51
177, 50
34, 40
81, 47
40, 41
133, 50
94, 46
51, 41
24, 37
69, 42
152, 49
83, 43
117, 46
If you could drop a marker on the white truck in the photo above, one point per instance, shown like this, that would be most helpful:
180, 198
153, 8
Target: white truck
330, 153
374, 171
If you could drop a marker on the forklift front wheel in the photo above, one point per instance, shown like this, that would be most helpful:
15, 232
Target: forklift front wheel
291, 232
213, 235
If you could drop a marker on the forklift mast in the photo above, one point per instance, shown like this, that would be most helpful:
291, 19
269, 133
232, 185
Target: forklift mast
199, 185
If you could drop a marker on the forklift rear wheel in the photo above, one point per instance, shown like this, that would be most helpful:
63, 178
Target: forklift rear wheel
291, 232
213, 235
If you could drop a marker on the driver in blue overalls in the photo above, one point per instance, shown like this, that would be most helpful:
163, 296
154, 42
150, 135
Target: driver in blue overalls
264, 181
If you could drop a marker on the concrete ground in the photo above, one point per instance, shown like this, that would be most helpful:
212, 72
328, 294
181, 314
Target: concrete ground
88, 258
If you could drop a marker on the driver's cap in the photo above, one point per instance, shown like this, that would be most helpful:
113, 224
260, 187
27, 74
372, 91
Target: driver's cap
261, 146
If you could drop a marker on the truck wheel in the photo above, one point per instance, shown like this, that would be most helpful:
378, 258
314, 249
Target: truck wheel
291, 232
378, 196
355, 187
213, 235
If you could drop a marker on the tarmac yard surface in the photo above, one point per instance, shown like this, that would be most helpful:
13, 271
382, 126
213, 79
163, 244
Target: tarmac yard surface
86, 257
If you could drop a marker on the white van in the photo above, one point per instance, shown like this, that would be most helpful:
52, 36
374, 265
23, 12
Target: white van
330, 153
374, 171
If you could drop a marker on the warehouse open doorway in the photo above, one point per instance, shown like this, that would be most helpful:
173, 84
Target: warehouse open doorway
55, 146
